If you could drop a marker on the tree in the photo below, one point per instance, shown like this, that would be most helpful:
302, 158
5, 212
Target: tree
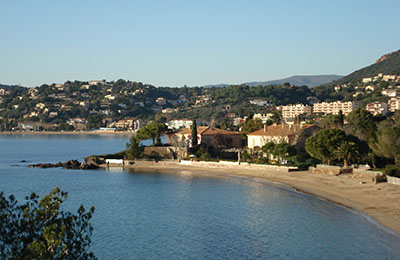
322, 145
348, 152
268, 148
94, 121
133, 150
151, 131
194, 133
332, 121
251, 125
41, 230
387, 142
282, 150
341, 119
276, 117
362, 124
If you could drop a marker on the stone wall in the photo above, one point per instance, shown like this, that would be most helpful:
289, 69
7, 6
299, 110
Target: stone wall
393, 180
236, 165
330, 169
161, 152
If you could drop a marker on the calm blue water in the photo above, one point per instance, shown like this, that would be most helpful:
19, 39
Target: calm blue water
163, 216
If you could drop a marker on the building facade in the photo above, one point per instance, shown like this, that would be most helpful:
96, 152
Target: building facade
394, 104
183, 123
377, 108
333, 107
291, 111
292, 134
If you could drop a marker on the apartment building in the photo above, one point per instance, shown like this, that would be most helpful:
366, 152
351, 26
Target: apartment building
291, 111
394, 104
333, 107
377, 108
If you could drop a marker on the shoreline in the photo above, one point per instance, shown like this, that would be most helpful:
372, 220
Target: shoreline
66, 133
380, 202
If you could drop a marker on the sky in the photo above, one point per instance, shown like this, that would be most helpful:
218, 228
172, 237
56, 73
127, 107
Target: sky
194, 43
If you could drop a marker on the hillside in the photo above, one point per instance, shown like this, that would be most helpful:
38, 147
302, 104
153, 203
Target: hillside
310, 81
388, 64
99, 101
298, 80
7, 87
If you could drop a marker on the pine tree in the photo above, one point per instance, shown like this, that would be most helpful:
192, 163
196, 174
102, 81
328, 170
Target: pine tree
194, 133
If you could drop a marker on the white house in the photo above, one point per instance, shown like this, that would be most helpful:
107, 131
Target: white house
291, 134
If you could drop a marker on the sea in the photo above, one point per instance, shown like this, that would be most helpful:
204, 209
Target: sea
155, 215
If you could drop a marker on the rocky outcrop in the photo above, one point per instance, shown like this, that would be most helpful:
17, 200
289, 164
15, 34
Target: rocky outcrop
386, 56
71, 164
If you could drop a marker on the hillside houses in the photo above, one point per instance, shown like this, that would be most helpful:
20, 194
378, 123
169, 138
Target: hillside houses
377, 108
133, 124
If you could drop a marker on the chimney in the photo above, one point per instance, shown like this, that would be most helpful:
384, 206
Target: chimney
265, 128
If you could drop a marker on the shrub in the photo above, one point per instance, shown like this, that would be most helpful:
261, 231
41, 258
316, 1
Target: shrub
392, 170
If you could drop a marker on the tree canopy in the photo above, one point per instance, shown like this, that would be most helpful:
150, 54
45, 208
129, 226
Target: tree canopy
41, 230
323, 144
387, 143
151, 131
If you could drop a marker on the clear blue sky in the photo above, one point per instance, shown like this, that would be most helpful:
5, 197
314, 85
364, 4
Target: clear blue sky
172, 43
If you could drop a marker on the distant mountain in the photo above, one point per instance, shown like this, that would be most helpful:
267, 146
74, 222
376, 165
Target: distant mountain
388, 64
310, 81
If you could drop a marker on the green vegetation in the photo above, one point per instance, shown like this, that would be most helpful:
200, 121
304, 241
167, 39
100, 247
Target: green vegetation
387, 142
389, 66
133, 149
347, 151
283, 150
392, 170
251, 125
41, 230
151, 131
330, 144
194, 133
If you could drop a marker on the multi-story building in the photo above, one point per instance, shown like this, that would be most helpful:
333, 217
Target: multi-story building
183, 123
291, 111
377, 108
128, 123
394, 104
389, 92
333, 107
264, 117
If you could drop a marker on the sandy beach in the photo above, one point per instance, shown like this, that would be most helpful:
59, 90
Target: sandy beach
355, 191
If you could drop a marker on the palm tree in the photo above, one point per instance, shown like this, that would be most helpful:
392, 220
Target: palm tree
347, 151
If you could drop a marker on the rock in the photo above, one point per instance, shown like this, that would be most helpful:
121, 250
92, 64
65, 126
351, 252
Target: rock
23, 161
85, 166
379, 178
45, 165
94, 160
71, 164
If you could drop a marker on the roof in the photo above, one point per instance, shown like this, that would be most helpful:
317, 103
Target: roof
207, 130
278, 130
